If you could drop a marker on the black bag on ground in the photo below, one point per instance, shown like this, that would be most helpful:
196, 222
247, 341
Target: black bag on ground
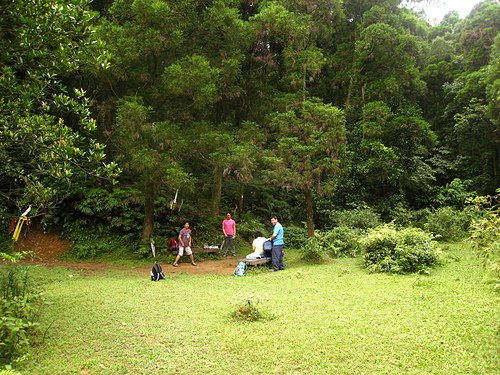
157, 272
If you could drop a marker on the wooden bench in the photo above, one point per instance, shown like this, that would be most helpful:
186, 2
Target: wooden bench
255, 262
199, 250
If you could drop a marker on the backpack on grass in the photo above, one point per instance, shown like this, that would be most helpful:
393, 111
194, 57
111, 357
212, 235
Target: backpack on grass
240, 269
157, 272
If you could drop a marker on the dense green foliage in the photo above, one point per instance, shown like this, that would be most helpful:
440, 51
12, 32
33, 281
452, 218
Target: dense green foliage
122, 119
399, 250
449, 224
48, 150
270, 107
485, 236
361, 218
19, 312
338, 242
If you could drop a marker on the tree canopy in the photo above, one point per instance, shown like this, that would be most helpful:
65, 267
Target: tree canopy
257, 107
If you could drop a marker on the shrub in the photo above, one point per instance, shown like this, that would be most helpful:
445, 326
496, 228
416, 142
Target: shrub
449, 224
143, 249
407, 250
91, 242
295, 237
246, 228
314, 250
19, 306
405, 217
343, 241
120, 208
338, 242
6, 242
248, 311
485, 236
361, 218
420, 218
455, 194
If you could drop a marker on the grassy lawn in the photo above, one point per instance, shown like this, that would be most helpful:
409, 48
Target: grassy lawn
327, 319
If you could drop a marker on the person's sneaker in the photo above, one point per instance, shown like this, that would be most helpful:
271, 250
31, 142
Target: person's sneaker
175, 265
194, 264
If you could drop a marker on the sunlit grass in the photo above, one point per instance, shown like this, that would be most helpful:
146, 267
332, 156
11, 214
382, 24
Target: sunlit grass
323, 319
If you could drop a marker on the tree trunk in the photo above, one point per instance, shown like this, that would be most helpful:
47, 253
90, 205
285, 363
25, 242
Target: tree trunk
349, 93
217, 191
309, 212
496, 167
304, 85
241, 199
149, 212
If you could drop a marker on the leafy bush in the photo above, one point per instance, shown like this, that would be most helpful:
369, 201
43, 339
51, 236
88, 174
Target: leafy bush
19, 306
405, 217
6, 242
206, 231
406, 250
449, 224
485, 236
361, 218
120, 208
343, 241
246, 228
91, 242
143, 249
420, 218
338, 242
455, 194
295, 237
314, 250
248, 311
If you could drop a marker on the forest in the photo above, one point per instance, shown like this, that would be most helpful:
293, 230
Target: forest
372, 134
123, 119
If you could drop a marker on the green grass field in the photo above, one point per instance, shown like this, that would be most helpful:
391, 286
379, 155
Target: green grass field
319, 319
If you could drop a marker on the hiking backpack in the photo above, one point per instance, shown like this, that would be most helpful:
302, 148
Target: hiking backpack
240, 269
157, 272
268, 248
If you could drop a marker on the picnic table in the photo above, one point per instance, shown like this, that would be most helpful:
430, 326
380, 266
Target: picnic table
255, 262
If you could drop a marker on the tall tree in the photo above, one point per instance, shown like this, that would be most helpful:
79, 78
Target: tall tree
466, 126
387, 65
393, 153
476, 34
146, 151
48, 150
309, 147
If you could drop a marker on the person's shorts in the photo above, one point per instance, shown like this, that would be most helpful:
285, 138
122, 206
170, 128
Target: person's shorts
188, 250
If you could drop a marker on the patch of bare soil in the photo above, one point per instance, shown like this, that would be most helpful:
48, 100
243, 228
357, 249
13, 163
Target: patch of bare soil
44, 246
46, 249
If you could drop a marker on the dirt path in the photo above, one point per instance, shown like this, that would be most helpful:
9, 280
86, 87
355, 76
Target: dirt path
47, 249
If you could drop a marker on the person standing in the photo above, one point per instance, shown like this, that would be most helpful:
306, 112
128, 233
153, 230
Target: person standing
185, 241
229, 230
278, 239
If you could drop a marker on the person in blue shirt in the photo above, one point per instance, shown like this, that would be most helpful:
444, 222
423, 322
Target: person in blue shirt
278, 243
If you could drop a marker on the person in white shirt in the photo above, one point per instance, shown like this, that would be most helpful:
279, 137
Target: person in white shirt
257, 246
